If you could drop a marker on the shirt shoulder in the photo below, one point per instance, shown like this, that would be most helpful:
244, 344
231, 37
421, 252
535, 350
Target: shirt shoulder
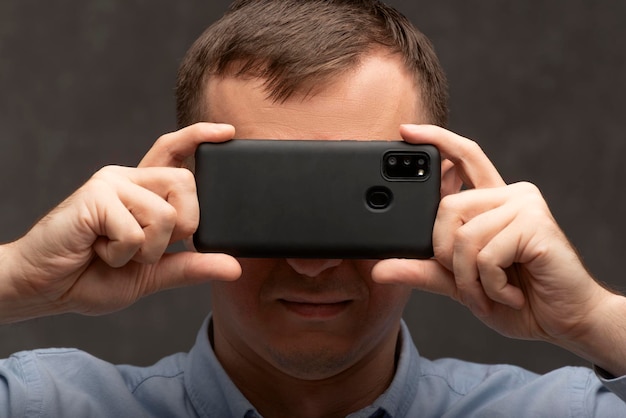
70, 382
470, 389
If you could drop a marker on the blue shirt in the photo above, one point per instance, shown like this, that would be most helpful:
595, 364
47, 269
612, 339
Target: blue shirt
71, 383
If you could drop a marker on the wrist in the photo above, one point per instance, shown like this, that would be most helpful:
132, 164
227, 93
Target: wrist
18, 300
602, 338
9, 273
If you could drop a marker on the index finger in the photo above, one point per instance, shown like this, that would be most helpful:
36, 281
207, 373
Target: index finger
172, 149
473, 166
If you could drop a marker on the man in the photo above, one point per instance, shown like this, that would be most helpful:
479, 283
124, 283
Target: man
310, 338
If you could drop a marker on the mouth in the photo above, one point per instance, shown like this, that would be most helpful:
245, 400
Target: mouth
315, 310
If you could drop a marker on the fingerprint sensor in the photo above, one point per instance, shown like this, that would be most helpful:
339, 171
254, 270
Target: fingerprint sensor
378, 197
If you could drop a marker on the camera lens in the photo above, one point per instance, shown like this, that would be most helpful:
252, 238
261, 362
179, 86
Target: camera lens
405, 165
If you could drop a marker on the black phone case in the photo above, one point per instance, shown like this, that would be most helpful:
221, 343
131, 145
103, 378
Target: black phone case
313, 199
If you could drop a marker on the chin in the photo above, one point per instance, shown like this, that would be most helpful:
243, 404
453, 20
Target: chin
312, 362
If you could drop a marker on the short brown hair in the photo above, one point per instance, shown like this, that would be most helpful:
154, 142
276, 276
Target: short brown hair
295, 45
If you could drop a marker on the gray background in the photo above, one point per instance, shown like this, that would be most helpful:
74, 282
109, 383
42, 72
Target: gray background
539, 84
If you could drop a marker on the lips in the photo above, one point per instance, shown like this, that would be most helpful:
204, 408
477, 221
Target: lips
315, 309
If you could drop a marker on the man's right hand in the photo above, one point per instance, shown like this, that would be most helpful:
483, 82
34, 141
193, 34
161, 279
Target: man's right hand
104, 247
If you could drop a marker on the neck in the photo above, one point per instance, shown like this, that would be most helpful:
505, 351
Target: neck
275, 393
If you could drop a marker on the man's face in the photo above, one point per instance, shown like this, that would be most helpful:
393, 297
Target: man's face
313, 319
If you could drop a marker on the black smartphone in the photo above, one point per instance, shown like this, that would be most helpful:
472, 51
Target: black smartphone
317, 198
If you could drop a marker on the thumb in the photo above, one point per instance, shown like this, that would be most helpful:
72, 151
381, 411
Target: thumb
191, 268
426, 275
172, 149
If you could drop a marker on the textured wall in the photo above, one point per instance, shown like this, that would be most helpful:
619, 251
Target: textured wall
540, 85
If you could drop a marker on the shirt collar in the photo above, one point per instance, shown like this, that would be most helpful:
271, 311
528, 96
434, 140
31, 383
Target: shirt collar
398, 398
213, 393
210, 389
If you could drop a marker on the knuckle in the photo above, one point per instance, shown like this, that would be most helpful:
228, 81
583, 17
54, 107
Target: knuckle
463, 237
528, 188
440, 251
107, 172
165, 145
180, 181
470, 147
186, 178
485, 259
164, 140
134, 238
533, 202
187, 227
449, 203
542, 249
100, 189
166, 214
96, 184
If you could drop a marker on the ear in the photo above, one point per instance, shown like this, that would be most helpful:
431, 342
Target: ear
451, 183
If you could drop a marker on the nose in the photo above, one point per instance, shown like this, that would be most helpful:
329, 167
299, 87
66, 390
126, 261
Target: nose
312, 267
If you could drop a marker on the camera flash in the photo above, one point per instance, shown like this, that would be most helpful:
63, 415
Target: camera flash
420, 173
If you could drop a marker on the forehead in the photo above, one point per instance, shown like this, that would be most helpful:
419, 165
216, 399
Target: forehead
367, 102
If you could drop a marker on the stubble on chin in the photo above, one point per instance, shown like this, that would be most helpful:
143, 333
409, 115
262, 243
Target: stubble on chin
313, 363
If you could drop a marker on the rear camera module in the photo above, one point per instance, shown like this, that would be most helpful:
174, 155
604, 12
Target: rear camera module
415, 165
